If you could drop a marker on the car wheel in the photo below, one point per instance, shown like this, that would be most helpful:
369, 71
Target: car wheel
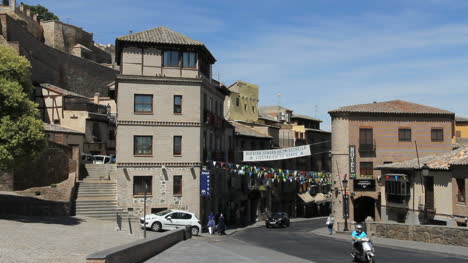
267, 226
195, 231
156, 227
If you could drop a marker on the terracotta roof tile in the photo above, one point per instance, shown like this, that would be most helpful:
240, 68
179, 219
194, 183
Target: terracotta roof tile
393, 106
245, 130
461, 119
436, 162
161, 35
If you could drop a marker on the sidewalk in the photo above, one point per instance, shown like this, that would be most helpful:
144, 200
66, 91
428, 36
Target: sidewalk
401, 244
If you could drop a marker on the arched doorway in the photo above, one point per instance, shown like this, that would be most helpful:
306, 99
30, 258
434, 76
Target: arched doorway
364, 206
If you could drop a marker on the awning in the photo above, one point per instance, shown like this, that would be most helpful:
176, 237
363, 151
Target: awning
306, 197
318, 198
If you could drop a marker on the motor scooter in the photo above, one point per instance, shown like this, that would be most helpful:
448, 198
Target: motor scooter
367, 253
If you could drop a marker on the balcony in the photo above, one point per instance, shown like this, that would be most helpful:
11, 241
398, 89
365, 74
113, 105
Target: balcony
367, 147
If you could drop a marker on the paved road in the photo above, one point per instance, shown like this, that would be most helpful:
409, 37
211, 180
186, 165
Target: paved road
297, 241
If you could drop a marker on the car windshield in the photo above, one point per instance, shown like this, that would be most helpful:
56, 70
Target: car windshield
165, 212
277, 215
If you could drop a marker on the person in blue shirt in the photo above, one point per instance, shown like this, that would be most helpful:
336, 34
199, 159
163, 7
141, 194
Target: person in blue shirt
356, 236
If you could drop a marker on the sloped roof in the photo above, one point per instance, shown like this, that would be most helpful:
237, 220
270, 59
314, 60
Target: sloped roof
435, 162
267, 117
48, 127
393, 106
162, 35
245, 130
272, 108
60, 90
305, 117
461, 119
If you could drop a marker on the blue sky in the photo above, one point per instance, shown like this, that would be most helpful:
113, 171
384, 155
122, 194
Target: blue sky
318, 54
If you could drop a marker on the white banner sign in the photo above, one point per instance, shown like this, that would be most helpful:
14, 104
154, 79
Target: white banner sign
277, 154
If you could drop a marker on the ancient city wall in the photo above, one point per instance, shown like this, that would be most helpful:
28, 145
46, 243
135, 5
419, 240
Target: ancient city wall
56, 67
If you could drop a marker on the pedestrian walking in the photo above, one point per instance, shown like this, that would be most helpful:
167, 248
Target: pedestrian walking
221, 225
330, 222
211, 223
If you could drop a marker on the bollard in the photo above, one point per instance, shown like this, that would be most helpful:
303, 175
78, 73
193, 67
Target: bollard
130, 226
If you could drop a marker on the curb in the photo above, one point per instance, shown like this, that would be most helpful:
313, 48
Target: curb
396, 247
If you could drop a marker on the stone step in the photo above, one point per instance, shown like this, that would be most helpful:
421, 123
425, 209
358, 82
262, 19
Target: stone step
99, 195
98, 181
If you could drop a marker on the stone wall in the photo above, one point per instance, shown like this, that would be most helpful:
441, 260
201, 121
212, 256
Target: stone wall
51, 168
457, 236
52, 66
30, 206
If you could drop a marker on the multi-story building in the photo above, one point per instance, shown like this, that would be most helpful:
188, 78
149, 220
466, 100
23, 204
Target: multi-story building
461, 127
435, 193
367, 135
242, 103
170, 119
74, 111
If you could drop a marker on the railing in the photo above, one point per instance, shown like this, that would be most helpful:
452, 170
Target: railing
367, 147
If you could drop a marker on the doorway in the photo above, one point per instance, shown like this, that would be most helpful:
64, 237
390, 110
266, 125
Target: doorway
363, 207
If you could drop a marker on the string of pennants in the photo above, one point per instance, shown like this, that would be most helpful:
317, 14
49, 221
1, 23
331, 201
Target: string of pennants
275, 174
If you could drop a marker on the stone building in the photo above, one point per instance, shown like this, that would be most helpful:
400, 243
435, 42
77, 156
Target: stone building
368, 135
170, 119
438, 197
242, 103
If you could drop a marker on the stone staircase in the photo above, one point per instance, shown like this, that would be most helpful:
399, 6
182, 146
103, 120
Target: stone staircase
97, 194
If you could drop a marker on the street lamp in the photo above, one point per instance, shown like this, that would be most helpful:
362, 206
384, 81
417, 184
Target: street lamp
345, 204
425, 170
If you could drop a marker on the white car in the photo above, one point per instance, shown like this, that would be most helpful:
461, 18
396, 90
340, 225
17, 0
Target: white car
172, 219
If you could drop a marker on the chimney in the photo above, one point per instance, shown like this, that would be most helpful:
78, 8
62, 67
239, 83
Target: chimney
28, 12
22, 7
35, 17
96, 98
13, 4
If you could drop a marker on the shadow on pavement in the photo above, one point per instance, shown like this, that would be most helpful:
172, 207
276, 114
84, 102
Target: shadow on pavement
59, 220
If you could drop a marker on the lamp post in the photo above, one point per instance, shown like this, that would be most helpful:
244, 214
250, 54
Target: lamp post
345, 204
425, 170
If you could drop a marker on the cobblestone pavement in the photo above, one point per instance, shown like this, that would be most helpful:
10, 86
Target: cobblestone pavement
60, 239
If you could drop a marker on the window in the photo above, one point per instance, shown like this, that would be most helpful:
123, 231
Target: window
461, 190
171, 58
177, 104
366, 168
237, 101
143, 104
437, 135
177, 186
139, 183
143, 145
177, 145
404, 135
211, 104
245, 107
189, 59
366, 139
458, 134
397, 192
253, 108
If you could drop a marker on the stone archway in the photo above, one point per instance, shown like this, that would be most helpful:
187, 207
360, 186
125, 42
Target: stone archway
364, 206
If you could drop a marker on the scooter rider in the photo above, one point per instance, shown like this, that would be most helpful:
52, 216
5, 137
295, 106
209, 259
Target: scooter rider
357, 235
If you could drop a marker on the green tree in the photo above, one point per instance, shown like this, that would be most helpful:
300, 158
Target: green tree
42, 12
22, 135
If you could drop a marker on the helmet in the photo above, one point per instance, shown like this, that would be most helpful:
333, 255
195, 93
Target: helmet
358, 226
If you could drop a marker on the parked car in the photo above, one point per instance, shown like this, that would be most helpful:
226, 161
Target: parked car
102, 159
171, 219
278, 219
86, 158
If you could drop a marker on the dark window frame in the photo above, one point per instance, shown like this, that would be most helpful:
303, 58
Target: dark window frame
140, 179
177, 185
174, 149
135, 104
135, 145
362, 167
177, 106
194, 58
404, 134
437, 134
461, 193
171, 65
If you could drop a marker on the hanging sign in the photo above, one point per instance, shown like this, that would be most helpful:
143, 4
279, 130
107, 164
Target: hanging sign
205, 183
364, 185
352, 161
277, 154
